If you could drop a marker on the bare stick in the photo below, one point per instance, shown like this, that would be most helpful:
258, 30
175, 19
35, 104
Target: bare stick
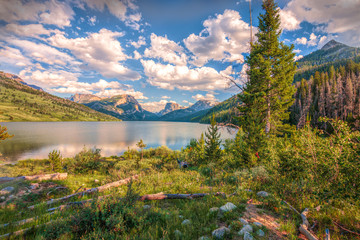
358, 234
41, 177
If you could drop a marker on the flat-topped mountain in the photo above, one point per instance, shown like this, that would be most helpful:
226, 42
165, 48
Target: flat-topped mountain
124, 107
169, 107
187, 114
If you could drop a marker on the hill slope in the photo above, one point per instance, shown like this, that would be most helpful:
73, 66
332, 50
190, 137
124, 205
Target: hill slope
19, 102
123, 107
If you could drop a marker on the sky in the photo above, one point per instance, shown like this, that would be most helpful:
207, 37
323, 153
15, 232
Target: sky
158, 51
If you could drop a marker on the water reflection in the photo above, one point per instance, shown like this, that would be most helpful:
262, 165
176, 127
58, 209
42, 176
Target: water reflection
37, 139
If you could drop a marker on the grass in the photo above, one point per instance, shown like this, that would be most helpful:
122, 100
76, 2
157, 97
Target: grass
118, 218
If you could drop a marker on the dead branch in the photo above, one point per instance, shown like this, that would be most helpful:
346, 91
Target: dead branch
347, 230
90, 191
41, 177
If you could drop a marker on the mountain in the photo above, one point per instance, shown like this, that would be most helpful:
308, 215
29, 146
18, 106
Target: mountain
124, 107
223, 112
187, 114
19, 80
169, 107
84, 98
330, 52
20, 102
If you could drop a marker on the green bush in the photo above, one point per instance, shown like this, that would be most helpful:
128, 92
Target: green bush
86, 160
55, 159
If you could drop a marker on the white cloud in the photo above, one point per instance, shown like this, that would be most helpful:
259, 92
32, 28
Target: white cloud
99, 51
298, 57
210, 97
289, 20
167, 50
224, 38
137, 55
322, 40
165, 97
50, 12
92, 20
297, 51
13, 56
181, 77
302, 41
313, 40
335, 17
141, 41
155, 106
30, 30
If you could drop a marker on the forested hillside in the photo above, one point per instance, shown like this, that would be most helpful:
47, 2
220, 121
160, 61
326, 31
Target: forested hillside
19, 102
334, 93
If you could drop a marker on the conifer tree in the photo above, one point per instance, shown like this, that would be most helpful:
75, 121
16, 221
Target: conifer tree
212, 147
269, 91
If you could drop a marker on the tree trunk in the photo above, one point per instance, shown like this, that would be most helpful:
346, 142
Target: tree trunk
41, 177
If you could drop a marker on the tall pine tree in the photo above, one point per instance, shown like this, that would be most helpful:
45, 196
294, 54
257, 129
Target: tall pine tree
212, 147
269, 91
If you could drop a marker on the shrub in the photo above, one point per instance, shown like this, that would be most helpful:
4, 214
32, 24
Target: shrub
86, 160
55, 159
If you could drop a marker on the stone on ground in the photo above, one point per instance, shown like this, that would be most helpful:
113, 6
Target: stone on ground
243, 221
245, 229
227, 207
248, 236
220, 232
262, 194
214, 209
186, 222
260, 233
6, 190
146, 207
257, 224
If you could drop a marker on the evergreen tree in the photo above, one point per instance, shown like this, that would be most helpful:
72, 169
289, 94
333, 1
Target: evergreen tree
212, 147
269, 91
141, 145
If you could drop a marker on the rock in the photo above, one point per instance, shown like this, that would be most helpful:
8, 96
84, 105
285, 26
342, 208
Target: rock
220, 232
96, 181
186, 222
260, 233
257, 224
245, 229
227, 207
146, 207
6, 190
248, 236
262, 194
11, 196
243, 221
34, 186
204, 238
2, 198
181, 216
214, 209
177, 233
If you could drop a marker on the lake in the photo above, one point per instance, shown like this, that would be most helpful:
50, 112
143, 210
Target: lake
36, 139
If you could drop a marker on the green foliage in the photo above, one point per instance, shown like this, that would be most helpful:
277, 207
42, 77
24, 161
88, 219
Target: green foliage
55, 159
86, 160
195, 151
268, 94
141, 145
212, 143
4, 134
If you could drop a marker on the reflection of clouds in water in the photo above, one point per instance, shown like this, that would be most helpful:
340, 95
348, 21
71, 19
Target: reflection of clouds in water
36, 140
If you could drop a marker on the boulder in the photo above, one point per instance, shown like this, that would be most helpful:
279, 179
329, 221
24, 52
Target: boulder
146, 207
186, 222
214, 209
243, 221
257, 224
7, 190
220, 232
204, 238
262, 194
177, 234
245, 229
227, 207
260, 233
248, 236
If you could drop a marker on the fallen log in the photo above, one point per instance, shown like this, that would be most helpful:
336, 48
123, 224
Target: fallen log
161, 196
305, 224
90, 191
41, 177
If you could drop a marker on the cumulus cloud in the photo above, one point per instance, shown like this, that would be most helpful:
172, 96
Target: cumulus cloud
334, 17
137, 55
165, 97
210, 97
224, 38
30, 30
99, 51
301, 40
155, 106
312, 41
298, 57
289, 20
170, 77
165, 49
140, 42
13, 56
51, 12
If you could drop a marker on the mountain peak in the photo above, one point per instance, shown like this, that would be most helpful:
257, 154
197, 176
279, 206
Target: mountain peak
202, 105
169, 107
84, 98
331, 44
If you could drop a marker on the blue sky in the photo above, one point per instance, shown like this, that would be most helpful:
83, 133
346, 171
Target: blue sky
155, 50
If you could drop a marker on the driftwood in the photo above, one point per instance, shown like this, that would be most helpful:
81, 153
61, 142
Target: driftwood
161, 196
41, 177
305, 224
90, 191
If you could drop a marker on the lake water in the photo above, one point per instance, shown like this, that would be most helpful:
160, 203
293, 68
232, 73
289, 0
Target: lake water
36, 139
